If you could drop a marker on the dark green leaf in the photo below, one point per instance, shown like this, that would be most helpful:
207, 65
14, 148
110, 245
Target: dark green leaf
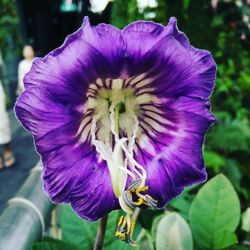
52, 244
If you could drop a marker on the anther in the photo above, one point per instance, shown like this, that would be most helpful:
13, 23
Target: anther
127, 197
134, 184
150, 201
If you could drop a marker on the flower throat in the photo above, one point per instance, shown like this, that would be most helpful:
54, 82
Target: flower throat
114, 129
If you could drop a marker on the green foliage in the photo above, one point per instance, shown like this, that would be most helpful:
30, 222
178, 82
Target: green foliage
145, 241
214, 160
173, 233
8, 23
230, 136
215, 214
70, 223
52, 244
182, 203
82, 233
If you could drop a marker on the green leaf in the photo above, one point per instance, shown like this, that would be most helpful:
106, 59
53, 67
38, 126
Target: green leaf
75, 229
154, 227
233, 173
83, 233
213, 160
215, 214
182, 205
144, 241
223, 134
52, 244
173, 233
238, 247
147, 216
118, 245
246, 220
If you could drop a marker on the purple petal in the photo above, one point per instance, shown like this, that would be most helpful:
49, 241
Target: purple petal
70, 166
40, 113
172, 154
173, 65
139, 38
72, 174
85, 56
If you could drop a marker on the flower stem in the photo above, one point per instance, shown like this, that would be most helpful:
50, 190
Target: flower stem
101, 233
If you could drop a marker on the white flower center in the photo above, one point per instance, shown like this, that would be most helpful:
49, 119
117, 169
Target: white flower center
115, 118
113, 123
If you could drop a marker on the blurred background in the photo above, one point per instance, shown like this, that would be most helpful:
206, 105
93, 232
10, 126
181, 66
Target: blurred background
220, 26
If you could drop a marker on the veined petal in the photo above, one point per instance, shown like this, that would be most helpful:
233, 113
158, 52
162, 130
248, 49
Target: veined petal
40, 112
85, 56
174, 67
108, 41
171, 150
73, 174
140, 37
69, 164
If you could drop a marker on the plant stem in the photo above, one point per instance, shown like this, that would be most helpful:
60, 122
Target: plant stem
101, 233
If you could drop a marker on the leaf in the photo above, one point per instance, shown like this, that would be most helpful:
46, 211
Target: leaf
144, 241
230, 136
182, 205
233, 173
52, 244
83, 233
173, 233
76, 230
246, 220
118, 245
238, 247
215, 214
147, 216
154, 227
213, 160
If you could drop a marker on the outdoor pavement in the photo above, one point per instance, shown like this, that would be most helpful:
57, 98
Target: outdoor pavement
12, 178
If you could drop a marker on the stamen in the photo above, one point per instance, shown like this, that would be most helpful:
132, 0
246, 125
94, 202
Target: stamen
130, 157
139, 202
127, 203
134, 184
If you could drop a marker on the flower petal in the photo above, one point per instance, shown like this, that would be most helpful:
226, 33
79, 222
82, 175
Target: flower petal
40, 113
95, 198
85, 56
172, 153
73, 175
69, 165
140, 37
108, 40
173, 66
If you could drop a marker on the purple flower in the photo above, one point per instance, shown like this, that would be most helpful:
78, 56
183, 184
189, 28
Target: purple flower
119, 117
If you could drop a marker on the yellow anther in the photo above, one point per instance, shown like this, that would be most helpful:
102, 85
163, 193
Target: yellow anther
142, 189
117, 233
124, 221
120, 221
139, 202
121, 235
132, 228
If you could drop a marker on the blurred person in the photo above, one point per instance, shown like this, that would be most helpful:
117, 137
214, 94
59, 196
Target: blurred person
25, 65
7, 158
